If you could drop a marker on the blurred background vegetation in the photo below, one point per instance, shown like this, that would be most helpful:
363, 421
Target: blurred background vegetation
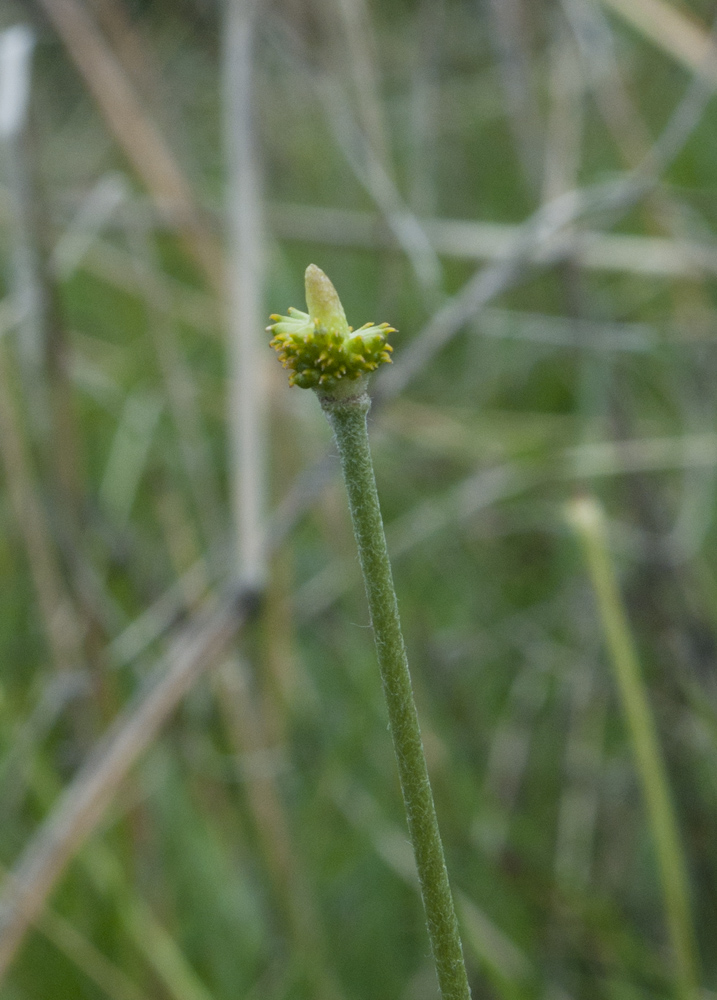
527, 191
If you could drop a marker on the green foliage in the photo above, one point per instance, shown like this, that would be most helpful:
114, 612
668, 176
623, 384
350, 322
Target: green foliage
593, 371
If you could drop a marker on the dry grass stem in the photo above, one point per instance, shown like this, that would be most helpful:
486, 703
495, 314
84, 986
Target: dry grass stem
135, 132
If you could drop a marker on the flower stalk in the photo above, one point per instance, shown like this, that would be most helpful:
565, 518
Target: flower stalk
345, 401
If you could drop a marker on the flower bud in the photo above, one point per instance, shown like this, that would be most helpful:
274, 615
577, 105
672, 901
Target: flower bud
319, 348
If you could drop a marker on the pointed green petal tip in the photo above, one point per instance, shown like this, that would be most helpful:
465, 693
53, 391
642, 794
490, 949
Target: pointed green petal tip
323, 301
319, 348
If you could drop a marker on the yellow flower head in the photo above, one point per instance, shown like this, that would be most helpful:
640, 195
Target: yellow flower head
319, 347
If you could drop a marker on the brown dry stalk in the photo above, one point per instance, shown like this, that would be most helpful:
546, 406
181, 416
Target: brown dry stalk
136, 132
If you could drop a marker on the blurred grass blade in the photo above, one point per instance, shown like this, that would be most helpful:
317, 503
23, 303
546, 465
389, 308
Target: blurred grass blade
249, 736
128, 455
407, 229
159, 617
86, 956
57, 613
509, 33
149, 936
161, 950
85, 801
506, 966
674, 31
425, 108
580, 799
182, 391
587, 518
95, 965
95, 211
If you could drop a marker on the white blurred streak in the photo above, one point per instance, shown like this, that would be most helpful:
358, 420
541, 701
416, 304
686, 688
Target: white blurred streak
248, 383
16, 45
494, 241
562, 331
16, 49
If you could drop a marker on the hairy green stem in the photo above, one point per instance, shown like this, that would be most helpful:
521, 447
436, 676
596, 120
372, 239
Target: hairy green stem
588, 519
348, 420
